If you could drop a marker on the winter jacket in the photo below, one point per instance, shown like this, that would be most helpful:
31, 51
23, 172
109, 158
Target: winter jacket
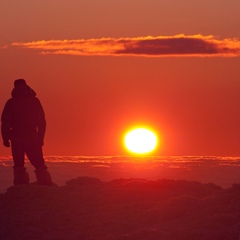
23, 117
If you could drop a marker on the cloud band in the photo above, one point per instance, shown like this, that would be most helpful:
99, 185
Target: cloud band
179, 45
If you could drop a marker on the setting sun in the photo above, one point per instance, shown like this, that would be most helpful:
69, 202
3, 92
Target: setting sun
140, 141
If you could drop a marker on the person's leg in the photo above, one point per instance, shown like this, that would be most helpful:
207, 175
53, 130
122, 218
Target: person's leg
35, 156
19, 171
43, 176
18, 153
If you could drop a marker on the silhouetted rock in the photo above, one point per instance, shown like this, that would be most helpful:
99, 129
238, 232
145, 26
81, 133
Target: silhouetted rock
83, 181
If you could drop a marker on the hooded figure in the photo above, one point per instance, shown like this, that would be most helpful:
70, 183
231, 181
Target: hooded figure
23, 128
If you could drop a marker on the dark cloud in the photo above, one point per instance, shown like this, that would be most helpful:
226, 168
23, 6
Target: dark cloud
176, 46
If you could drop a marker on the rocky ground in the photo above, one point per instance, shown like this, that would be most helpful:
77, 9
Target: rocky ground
123, 209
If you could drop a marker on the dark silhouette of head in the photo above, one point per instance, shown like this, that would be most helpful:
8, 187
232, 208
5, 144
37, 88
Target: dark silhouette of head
19, 82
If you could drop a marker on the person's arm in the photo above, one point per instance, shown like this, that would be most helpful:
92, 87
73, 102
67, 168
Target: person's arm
6, 124
41, 122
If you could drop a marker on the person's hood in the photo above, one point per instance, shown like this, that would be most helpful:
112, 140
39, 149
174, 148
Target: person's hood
23, 91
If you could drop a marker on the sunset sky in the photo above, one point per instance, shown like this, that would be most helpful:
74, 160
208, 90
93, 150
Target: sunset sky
101, 67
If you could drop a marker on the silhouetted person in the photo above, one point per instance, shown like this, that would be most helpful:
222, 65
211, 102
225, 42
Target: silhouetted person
23, 128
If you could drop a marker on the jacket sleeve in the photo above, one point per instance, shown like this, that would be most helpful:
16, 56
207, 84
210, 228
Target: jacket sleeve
41, 121
6, 120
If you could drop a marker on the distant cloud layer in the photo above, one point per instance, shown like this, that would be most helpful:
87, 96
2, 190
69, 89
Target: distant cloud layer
179, 45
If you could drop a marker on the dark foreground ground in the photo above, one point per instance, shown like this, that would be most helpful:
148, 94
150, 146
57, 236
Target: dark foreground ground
132, 209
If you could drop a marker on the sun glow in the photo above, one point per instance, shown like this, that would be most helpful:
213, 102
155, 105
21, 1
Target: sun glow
141, 141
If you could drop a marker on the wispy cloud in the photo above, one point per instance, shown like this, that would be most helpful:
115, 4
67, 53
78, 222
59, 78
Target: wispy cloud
179, 45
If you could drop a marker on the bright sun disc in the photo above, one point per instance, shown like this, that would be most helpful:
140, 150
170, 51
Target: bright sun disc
140, 141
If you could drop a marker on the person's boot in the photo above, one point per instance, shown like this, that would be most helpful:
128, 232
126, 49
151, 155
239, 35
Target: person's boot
21, 177
43, 176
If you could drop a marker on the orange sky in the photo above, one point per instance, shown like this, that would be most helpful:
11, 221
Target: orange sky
100, 67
